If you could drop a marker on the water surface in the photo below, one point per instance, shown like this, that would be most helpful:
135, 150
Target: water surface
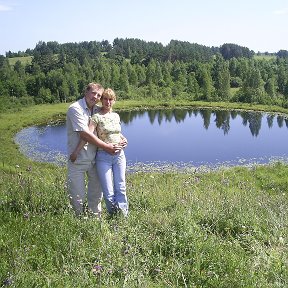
179, 138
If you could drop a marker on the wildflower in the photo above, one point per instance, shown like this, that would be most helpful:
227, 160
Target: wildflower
8, 281
281, 240
157, 270
97, 269
126, 250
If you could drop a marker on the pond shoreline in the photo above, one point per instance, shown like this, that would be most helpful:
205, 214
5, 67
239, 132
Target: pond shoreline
29, 143
52, 113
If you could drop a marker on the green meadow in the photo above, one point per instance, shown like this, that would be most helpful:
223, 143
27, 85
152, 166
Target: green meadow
223, 228
24, 60
264, 57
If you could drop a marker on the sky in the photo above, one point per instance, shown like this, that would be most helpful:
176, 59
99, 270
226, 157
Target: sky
255, 24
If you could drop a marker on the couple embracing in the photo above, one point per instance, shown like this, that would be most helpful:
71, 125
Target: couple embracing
95, 149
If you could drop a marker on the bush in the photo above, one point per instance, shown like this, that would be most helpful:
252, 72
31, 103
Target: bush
7, 103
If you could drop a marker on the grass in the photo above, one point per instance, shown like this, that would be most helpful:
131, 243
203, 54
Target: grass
265, 57
226, 228
24, 60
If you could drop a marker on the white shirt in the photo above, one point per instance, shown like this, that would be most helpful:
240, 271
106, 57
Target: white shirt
77, 120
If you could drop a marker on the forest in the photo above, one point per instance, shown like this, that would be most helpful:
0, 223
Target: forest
136, 69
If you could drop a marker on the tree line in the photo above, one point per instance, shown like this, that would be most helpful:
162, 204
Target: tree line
137, 69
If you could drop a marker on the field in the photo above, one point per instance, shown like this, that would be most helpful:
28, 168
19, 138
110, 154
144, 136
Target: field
265, 57
23, 60
224, 228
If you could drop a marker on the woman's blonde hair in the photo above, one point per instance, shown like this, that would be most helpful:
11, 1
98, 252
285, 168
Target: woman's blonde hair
109, 93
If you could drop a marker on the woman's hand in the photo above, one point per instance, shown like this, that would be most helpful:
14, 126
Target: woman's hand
124, 142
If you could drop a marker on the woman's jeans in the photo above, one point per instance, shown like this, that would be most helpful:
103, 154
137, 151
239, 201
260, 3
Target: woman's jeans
111, 172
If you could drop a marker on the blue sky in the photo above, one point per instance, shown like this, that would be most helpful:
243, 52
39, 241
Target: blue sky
259, 25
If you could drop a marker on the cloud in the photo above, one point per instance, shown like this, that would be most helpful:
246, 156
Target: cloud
280, 12
5, 8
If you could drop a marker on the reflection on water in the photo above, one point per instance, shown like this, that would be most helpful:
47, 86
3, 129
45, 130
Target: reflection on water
179, 137
221, 118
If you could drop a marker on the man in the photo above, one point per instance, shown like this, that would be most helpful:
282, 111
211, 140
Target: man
77, 121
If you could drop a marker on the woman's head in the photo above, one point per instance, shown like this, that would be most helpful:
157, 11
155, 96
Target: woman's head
109, 93
108, 99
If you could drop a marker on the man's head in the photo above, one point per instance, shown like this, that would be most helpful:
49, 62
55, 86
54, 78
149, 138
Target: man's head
93, 93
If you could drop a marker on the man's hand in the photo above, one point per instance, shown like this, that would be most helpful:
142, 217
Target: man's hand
112, 148
109, 148
73, 157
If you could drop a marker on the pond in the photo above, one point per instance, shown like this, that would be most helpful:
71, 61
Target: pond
178, 138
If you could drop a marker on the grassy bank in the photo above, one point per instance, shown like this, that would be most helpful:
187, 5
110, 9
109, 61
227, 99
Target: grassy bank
226, 228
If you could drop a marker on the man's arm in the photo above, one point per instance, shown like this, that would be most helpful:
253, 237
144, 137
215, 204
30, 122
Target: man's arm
88, 136
75, 153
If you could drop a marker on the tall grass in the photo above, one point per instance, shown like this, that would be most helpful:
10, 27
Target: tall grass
226, 228
222, 229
